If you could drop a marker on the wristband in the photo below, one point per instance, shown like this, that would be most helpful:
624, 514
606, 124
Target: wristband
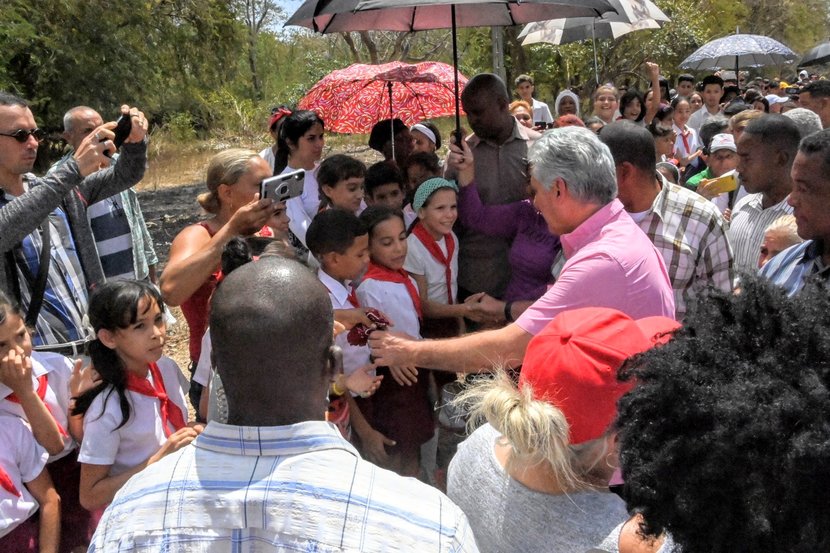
336, 389
508, 311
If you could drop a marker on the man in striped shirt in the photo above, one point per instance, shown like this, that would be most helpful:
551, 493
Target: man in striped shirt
810, 200
766, 151
688, 230
124, 244
276, 477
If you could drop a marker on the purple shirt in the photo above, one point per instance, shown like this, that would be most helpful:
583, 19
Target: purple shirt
533, 248
610, 263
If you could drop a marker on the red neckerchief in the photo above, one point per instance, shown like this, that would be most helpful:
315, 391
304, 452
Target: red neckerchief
7, 484
171, 414
400, 276
42, 385
684, 134
352, 297
422, 234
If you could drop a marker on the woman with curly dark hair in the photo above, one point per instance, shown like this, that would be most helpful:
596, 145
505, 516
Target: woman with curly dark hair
725, 440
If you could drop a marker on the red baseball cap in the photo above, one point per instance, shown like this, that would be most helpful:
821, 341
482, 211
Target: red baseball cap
573, 364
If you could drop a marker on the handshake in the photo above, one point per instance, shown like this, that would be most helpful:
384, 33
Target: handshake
485, 309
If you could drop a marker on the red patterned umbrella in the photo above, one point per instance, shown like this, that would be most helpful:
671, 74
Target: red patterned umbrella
353, 99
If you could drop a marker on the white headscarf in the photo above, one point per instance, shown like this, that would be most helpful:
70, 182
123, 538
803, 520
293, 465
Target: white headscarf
563, 94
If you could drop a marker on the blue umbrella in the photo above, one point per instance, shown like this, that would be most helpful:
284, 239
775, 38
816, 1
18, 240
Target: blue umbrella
739, 51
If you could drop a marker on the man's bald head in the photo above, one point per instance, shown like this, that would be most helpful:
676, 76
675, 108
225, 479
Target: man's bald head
79, 122
271, 329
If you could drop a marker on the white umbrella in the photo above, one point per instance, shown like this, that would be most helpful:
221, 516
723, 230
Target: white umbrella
633, 15
739, 51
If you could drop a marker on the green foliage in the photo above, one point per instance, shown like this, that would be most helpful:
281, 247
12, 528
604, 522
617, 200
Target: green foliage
190, 65
179, 128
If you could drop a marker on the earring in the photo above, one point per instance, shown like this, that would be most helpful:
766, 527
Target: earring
608, 464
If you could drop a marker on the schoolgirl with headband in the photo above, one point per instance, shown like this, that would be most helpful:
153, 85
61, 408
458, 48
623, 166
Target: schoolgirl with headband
425, 137
137, 413
432, 257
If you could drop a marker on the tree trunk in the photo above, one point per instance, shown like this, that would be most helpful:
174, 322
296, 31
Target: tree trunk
371, 47
256, 86
347, 38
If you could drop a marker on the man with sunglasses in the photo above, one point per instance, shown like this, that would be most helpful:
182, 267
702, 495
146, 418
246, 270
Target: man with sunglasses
48, 259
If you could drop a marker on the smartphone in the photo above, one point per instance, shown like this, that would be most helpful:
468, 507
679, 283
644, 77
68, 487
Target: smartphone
122, 129
283, 187
724, 183
540, 124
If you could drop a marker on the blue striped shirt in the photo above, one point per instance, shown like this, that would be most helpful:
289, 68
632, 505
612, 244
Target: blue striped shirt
284, 488
65, 301
793, 267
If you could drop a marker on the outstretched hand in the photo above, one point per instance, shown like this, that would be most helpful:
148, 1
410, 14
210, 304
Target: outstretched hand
363, 381
392, 349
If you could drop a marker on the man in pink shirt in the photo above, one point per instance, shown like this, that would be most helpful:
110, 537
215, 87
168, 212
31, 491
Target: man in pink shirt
610, 262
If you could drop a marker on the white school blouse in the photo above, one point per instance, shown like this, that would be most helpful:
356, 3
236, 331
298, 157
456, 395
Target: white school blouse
420, 262
393, 299
58, 370
141, 436
23, 459
354, 357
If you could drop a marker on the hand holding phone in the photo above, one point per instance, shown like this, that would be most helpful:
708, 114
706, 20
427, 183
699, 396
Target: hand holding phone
283, 187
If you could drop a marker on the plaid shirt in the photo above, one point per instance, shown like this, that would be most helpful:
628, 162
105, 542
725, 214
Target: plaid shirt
65, 297
749, 224
281, 488
792, 268
690, 233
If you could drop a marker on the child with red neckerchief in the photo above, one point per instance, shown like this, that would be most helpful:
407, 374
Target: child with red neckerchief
398, 410
137, 413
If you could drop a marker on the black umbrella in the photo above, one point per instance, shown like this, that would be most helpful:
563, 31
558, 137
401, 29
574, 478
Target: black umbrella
337, 16
817, 56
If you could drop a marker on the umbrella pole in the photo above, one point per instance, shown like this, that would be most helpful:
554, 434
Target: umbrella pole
457, 133
594, 43
391, 118
737, 74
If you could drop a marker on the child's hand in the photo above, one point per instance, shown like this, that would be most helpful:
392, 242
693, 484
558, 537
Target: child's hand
16, 372
374, 446
362, 381
82, 379
175, 442
351, 317
405, 376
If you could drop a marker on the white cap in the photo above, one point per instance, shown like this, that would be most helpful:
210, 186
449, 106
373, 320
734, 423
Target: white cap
776, 99
722, 141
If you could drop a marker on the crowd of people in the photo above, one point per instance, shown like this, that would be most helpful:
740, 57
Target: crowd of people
568, 333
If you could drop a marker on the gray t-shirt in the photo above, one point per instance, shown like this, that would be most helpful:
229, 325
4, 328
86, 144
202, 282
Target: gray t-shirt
506, 516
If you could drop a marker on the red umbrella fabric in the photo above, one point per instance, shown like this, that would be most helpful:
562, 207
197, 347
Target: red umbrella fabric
353, 99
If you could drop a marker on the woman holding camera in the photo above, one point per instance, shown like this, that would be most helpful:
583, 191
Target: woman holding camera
232, 200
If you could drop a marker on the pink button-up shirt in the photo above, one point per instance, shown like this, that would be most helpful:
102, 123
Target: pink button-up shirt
610, 263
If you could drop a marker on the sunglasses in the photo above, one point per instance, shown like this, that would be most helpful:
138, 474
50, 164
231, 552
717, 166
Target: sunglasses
22, 135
